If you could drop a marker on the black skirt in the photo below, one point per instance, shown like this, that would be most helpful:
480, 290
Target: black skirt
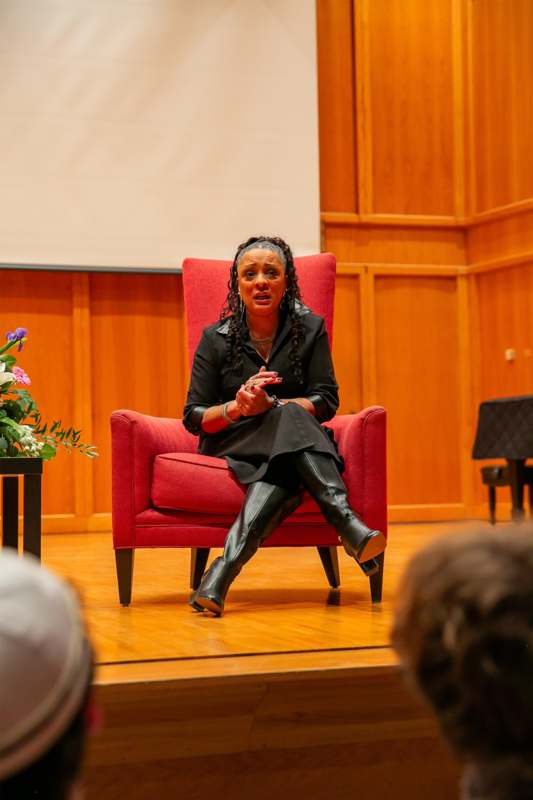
260, 448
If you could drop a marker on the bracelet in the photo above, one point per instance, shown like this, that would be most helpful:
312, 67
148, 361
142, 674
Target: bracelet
225, 414
276, 401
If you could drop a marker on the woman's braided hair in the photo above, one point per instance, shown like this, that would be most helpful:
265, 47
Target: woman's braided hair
234, 309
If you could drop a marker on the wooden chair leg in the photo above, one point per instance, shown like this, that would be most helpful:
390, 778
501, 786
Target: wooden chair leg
330, 562
492, 505
376, 580
199, 556
124, 562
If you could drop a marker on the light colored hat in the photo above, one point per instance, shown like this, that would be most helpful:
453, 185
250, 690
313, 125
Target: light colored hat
45, 660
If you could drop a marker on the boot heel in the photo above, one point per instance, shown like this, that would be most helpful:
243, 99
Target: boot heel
369, 567
205, 603
373, 546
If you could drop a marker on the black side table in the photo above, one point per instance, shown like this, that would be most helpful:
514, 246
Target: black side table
10, 470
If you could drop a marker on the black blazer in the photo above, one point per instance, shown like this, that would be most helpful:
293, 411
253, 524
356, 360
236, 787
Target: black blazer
212, 384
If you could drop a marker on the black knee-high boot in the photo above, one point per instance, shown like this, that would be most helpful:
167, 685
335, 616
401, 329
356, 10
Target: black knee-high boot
322, 480
265, 507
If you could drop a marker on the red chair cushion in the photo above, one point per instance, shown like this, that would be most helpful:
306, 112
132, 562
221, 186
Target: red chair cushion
196, 483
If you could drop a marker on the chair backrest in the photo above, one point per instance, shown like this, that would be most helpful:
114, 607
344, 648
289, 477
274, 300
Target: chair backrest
205, 286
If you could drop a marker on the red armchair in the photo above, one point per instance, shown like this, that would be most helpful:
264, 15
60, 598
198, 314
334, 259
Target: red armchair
167, 495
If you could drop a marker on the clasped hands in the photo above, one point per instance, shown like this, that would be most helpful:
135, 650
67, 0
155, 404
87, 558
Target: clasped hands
251, 398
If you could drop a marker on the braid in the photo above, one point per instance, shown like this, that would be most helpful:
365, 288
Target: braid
233, 309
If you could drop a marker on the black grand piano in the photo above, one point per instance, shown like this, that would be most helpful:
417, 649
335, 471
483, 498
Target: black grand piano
505, 430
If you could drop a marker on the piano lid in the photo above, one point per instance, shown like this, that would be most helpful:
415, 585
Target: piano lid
505, 428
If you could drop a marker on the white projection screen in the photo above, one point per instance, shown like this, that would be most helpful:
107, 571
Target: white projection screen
134, 133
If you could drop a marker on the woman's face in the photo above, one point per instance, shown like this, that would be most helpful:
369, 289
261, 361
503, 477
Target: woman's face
261, 281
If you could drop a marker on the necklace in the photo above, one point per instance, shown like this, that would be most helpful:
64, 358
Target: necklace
266, 340
262, 346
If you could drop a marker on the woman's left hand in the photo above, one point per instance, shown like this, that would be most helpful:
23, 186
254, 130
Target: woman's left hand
261, 378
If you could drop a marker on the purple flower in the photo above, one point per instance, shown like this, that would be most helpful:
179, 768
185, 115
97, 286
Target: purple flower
18, 335
21, 376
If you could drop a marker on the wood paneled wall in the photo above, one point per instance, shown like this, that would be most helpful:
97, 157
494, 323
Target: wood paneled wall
434, 99
97, 342
502, 109
500, 234
393, 212
427, 201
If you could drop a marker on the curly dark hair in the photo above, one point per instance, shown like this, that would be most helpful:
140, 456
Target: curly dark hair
233, 308
464, 631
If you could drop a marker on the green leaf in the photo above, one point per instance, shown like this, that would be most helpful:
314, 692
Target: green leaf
15, 410
8, 361
48, 451
8, 421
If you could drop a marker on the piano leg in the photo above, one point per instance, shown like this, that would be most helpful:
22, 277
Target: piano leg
516, 479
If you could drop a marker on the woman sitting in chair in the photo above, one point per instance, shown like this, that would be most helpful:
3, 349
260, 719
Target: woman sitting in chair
268, 341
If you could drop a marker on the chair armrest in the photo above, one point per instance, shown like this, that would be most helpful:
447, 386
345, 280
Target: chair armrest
362, 443
136, 439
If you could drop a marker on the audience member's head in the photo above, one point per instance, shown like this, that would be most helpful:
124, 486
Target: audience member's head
464, 632
45, 675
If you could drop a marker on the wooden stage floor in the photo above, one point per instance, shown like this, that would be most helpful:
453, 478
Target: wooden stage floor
280, 604
293, 692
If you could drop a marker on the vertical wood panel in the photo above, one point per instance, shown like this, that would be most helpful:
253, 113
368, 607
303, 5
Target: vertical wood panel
502, 317
137, 356
364, 108
347, 344
368, 336
506, 321
503, 106
42, 303
459, 32
468, 348
418, 382
411, 92
336, 104
83, 399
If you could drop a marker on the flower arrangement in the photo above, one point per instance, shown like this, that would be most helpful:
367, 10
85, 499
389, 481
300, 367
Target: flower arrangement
23, 433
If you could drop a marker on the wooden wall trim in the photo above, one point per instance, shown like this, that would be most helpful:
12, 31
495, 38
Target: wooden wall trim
458, 78
466, 397
367, 300
501, 212
363, 107
354, 269
470, 172
340, 217
76, 523
424, 512
504, 262
417, 220
427, 220
82, 384
392, 220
